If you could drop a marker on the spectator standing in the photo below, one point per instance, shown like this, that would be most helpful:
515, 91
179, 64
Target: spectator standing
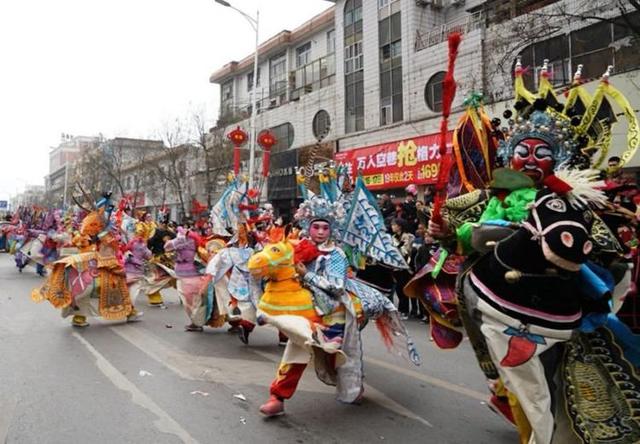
404, 241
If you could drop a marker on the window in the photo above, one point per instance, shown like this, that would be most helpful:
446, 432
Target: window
331, 41
250, 80
383, 3
353, 66
353, 57
284, 137
313, 76
321, 124
556, 50
501, 11
595, 47
389, 38
303, 54
354, 102
626, 44
590, 47
226, 95
433, 92
278, 76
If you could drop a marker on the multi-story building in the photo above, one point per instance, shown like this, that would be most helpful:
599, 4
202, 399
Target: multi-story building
62, 159
31, 195
366, 77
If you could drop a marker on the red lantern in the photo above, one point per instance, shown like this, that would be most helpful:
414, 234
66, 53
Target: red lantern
266, 140
238, 137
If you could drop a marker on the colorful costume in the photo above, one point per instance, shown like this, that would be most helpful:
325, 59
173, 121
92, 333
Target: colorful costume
534, 292
322, 315
92, 283
190, 281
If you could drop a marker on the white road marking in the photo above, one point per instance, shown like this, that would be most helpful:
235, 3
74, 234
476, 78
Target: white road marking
239, 371
441, 383
7, 407
165, 423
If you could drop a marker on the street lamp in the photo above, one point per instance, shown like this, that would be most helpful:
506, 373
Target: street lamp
254, 22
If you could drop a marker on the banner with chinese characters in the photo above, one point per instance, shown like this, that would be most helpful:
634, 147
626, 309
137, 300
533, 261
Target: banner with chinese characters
396, 164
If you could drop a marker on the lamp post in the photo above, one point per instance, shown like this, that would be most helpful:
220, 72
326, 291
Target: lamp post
254, 22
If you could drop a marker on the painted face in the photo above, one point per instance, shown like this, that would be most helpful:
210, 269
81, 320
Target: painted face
533, 157
319, 231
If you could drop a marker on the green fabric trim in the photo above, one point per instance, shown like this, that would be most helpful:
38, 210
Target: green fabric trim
513, 208
438, 267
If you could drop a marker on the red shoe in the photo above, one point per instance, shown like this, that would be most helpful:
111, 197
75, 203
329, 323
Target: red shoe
500, 406
273, 407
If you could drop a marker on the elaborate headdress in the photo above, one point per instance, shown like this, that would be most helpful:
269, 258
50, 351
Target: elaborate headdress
579, 131
327, 206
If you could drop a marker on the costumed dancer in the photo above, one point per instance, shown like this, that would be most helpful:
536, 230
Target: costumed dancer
323, 318
534, 292
92, 283
326, 308
161, 270
235, 292
189, 279
136, 257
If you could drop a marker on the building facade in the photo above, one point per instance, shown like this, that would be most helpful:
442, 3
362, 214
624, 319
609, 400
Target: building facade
365, 76
62, 160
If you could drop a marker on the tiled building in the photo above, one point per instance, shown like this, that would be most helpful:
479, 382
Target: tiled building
368, 74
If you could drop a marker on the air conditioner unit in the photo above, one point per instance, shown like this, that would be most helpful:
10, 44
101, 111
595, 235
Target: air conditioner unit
457, 2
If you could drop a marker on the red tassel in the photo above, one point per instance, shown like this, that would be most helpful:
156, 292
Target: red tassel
236, 160
449, 83
448, 93
266, 158
382, 323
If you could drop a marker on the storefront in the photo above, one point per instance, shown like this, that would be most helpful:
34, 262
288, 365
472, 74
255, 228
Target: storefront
282, 187
392, 166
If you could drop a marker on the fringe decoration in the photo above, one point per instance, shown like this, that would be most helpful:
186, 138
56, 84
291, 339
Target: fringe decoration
584, 186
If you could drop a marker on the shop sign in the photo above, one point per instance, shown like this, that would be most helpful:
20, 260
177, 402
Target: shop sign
395, 164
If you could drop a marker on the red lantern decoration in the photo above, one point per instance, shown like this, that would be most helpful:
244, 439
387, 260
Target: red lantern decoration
266, 140
238, 137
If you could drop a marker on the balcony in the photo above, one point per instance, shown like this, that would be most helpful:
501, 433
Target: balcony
313, 76
439, 34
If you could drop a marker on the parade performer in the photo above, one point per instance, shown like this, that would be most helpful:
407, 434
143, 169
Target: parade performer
532, 298
189, 278
235, 292
284, 299
29, 251
136, 256
92, 283
323, 318
161, 270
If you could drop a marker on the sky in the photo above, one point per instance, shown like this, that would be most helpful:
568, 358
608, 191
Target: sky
116, 67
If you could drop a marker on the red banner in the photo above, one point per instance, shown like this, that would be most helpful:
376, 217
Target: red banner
396, 164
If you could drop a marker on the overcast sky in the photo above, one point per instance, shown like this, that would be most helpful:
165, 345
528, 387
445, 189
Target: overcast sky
116, 67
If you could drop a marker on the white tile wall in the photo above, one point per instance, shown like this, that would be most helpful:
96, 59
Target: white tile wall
474, 68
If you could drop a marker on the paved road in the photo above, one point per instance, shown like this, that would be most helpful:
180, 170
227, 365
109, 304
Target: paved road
148, 383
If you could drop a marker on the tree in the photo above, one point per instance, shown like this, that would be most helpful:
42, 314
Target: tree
87, 174
213, 147
175, 156
531, 23
589, 10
